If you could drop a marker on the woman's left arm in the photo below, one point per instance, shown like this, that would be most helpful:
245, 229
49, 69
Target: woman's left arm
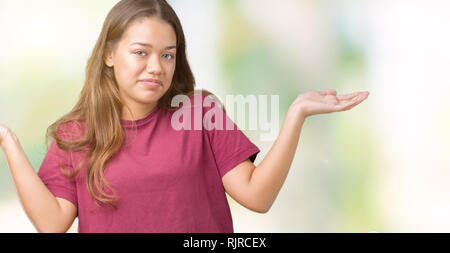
257, 187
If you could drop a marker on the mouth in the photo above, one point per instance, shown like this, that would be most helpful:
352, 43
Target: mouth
151, 82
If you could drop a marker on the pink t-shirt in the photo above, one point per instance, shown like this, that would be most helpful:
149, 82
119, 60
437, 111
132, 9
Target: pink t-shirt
167, 180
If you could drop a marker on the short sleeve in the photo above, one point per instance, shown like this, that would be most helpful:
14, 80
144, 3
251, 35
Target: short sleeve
52, 176
229, 144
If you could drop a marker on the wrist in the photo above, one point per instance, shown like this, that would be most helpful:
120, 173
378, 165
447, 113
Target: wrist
297, 111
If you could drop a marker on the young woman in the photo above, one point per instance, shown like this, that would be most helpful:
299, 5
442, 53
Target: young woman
116, 161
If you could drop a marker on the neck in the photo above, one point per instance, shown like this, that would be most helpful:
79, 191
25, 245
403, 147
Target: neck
138, 112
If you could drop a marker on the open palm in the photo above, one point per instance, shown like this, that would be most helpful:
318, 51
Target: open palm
319, 102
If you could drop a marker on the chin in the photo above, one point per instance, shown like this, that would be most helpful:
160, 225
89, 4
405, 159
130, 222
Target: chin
149, 99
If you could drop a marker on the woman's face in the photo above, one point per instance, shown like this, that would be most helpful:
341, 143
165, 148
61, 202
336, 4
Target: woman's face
144, 62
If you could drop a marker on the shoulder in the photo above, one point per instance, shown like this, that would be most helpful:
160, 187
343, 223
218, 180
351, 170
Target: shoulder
67, 138
200, 98
71, 130
205, 99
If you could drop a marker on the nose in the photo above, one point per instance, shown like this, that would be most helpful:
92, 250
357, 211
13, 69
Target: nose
154, 65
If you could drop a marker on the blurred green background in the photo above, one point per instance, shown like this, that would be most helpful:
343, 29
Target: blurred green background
382, 166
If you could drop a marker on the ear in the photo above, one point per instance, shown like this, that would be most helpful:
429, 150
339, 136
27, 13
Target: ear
109, 58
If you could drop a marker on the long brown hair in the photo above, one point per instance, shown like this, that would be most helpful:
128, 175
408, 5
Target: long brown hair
99, 104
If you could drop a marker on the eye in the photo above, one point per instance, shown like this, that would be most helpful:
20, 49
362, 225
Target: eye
168, 56
140, 53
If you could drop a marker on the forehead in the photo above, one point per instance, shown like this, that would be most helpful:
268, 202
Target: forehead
150, 31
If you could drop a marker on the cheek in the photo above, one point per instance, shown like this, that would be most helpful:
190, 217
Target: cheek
170, 71
126, 70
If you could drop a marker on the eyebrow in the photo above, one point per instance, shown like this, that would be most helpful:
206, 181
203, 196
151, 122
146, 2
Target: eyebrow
149, 45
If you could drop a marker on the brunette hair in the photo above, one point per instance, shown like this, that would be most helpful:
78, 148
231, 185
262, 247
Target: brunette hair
99, 105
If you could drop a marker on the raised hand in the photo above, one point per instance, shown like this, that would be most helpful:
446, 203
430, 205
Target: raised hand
319, 102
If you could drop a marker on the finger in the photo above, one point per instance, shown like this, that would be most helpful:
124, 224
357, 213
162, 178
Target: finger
350, 103
347, 96
327, 92
363, 94
344, 106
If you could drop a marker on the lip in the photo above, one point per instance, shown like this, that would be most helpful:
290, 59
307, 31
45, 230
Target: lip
151, 82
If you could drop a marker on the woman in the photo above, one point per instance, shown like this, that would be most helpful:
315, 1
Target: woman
118, 164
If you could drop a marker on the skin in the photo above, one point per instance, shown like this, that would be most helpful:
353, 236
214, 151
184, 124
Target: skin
3, 133
134, 62
255, 187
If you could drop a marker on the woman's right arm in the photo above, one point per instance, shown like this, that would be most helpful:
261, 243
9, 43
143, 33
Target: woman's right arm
48, 213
